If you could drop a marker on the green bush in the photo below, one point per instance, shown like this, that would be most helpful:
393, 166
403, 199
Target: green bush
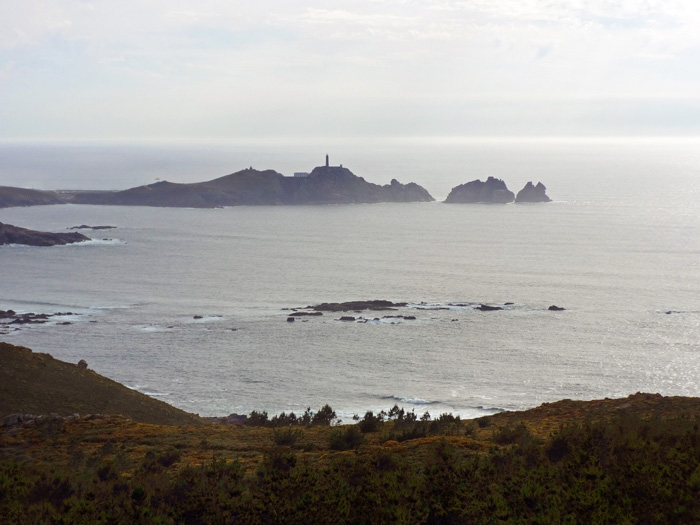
370, 423
287, 436
347, 439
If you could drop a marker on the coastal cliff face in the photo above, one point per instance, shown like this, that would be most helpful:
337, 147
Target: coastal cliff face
10, 197
532, 193
493, 191
324, 185
10, 234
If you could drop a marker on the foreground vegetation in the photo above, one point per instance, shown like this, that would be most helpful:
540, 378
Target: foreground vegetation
634, 460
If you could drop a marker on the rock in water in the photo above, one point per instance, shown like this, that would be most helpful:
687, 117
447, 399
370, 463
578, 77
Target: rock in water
10, 234
493, 191
531, 193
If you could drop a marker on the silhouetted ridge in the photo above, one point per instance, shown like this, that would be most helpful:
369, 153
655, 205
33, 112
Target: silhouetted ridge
324, 185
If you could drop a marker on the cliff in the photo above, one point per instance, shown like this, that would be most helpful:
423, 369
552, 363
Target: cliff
324, 185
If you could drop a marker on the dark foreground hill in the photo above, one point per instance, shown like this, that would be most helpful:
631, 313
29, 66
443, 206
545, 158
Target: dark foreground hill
324, 185
38, 384
632, 460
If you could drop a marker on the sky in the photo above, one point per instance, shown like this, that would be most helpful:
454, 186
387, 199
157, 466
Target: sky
175, 69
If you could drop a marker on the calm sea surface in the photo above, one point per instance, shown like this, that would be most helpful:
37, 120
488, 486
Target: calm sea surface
618, 248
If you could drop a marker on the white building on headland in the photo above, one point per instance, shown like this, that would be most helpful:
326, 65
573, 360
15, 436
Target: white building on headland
301, 174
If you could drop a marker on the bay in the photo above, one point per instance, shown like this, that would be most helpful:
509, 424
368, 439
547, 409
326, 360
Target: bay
618, 248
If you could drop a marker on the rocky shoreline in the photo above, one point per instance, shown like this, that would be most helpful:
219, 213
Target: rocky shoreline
10, 234
9, 319
382, 305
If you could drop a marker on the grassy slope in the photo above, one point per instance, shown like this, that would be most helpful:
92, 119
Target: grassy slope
34, 383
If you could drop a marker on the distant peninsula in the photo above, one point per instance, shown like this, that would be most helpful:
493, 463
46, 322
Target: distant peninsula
324, 185
10, 197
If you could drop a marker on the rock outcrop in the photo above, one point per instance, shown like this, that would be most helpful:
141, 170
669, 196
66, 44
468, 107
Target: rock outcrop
324, 185
357, 306
493, 191
10, 234
532, 193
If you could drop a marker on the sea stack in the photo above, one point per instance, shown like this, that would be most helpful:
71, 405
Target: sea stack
531, 193
493, 191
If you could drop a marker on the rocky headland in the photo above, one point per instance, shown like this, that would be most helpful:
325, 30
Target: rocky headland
324, 185
532, 193
10, 234
10, 197
493, 191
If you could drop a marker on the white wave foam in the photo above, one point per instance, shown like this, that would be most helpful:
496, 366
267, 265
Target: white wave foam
152, 328
99, 242
117, 307
207, 319
411, 400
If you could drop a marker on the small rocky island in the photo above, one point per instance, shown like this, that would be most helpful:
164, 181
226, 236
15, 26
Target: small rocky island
10, 234
493, 191
532, 193
324, 185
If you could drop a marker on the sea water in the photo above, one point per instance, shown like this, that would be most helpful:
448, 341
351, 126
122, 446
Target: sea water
191, 305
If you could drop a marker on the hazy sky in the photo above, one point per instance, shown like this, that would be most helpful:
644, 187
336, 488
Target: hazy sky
223, 68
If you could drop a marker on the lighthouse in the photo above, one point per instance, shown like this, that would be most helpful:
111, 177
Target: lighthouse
326, 160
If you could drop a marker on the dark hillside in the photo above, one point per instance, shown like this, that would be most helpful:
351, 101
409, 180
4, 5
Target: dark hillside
34, 383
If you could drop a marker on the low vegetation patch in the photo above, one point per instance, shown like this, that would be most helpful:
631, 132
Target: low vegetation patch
613, 461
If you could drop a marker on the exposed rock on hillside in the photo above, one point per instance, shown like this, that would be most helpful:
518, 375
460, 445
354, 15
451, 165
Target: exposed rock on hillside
324, 185
10, 234
493, 191
531, 193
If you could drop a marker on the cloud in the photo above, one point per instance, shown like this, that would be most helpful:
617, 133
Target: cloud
392, 64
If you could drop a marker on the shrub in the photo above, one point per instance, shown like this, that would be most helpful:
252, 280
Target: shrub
287, 436
347, 439
483, 421
370, 423
325, 416
257, 419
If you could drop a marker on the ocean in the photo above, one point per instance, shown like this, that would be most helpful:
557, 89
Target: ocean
190, 305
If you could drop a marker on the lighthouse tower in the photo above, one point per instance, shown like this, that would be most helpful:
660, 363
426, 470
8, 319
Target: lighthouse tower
326, 160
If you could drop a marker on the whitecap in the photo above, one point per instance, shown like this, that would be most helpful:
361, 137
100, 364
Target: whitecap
152, 328
98, 242
207, 319
411, 400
